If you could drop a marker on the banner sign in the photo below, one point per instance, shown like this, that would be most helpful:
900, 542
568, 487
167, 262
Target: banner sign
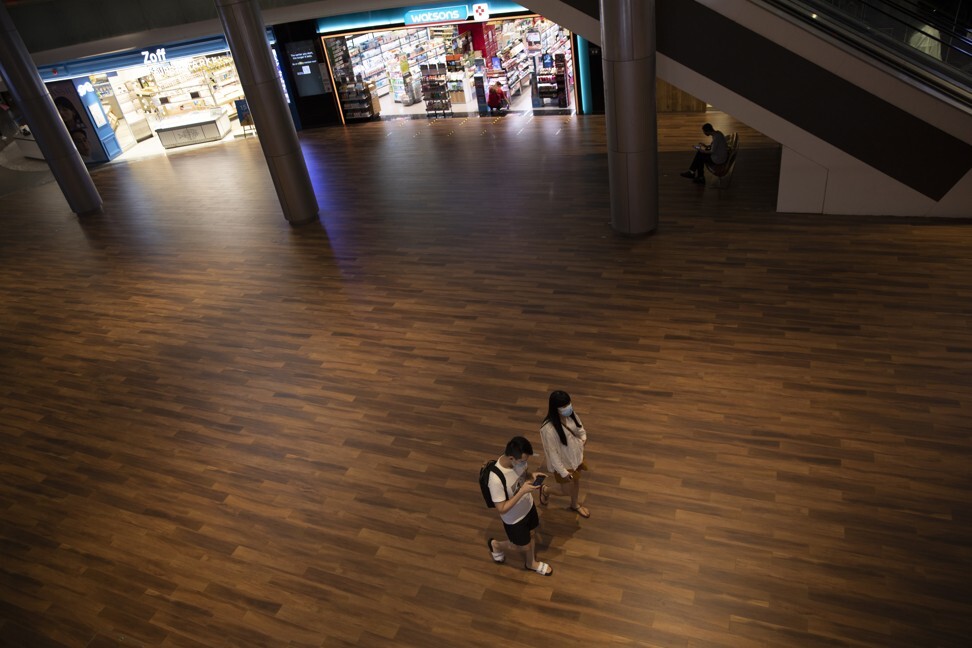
437, 15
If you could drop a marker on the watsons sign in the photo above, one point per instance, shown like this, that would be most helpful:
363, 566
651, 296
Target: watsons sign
437, 15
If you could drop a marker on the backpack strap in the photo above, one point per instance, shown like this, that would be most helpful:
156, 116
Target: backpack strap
499, 473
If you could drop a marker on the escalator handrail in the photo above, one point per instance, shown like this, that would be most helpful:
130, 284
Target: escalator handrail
920, 18
946, 80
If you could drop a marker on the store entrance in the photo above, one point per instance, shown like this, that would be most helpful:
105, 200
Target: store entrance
446, 70
190, 100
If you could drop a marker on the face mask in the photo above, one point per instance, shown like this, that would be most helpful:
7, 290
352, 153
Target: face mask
519, 464
566, 411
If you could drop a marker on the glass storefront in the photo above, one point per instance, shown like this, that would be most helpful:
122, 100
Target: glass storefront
444, 69
166, 98
151, 100
187, 100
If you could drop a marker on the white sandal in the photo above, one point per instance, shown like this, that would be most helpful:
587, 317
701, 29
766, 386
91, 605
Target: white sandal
498, 556
543, 569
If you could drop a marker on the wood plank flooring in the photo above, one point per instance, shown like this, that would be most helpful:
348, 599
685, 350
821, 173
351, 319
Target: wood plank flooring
217, 430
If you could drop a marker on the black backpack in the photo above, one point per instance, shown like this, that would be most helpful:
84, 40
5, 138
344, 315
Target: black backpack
487, 468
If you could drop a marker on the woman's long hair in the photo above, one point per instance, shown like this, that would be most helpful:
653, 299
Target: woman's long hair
559, 399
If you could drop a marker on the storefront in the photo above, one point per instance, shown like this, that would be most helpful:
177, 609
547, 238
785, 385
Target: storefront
174, 95
185, 100
441, 60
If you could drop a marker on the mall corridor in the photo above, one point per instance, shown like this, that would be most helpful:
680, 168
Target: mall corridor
218, 430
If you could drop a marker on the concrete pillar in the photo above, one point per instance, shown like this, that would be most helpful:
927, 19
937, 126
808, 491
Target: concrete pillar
46, 125
628, 54
247, 37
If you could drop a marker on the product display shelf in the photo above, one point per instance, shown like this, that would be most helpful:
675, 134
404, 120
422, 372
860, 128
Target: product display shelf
549, 34
375, 73
516, 64
426, 56
359, 100
180, 99
406, 89
459, 89
479, 88
193, 128
337, 49
114, 111
397, 87
564, 80
409, 40
375, 56
444, 32
547, 87
404, 44
392, 49
366, 58
492, 76
131, 109
511, 68
435, 90
141, 108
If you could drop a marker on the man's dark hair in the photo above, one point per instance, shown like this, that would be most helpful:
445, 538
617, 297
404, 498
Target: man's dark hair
517, 447
707, 128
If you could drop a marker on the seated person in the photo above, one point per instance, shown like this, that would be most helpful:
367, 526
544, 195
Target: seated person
712, 154
497, 97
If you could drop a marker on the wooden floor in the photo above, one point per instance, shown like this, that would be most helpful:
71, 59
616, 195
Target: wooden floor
218, 430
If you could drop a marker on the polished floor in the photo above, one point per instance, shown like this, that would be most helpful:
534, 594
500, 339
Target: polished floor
218, 430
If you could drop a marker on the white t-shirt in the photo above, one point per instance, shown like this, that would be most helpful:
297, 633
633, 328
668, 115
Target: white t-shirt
514, 480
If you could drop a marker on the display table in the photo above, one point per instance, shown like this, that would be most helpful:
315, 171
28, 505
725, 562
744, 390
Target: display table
28, 147
193, 128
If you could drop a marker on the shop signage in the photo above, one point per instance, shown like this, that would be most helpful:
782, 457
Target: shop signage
433, 13
481, 12
157, 56
307, 71
85, 88
437, 15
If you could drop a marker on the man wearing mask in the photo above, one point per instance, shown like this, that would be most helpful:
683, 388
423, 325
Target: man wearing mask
512, 496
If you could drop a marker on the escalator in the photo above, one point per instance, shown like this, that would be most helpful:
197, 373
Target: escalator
870, 123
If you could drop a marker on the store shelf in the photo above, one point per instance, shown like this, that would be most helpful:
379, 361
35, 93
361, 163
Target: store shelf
435, 90
358, 97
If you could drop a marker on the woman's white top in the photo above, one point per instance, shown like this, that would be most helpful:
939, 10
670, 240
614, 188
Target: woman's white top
560, 457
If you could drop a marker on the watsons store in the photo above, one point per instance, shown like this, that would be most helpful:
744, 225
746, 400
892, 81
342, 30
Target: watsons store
440, 61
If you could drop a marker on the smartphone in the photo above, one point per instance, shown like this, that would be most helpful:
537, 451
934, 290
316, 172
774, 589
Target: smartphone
539, 480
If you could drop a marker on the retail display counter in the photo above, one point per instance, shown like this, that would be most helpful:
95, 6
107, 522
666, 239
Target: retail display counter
194, 128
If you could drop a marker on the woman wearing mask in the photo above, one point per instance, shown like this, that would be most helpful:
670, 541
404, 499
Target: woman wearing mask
563, 437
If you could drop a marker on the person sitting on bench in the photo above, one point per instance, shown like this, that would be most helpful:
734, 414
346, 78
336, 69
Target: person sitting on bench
712, 154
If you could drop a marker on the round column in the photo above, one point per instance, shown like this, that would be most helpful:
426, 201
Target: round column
246, 34
628, 55
46, 125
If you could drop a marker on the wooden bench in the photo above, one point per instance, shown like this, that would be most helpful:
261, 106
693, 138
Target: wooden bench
720, 175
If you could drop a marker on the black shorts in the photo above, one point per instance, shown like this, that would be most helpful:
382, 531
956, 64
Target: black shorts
519, 533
